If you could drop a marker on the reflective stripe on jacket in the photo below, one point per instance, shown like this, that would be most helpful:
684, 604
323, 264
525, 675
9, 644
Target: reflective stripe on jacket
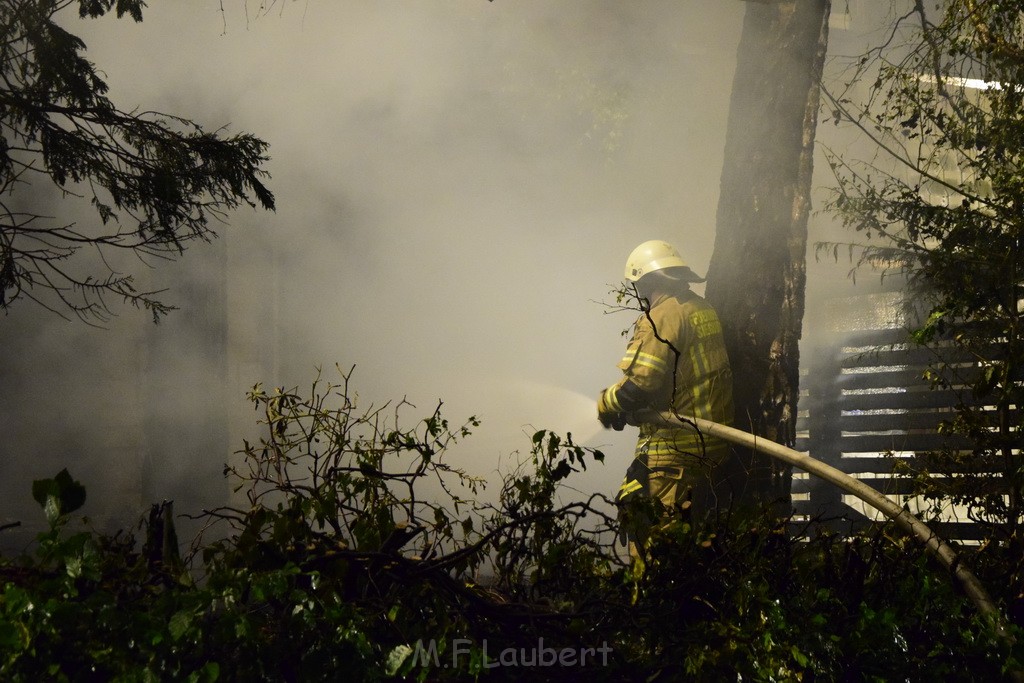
677, 357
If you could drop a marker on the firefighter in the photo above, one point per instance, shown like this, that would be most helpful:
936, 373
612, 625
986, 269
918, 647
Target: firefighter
675, 362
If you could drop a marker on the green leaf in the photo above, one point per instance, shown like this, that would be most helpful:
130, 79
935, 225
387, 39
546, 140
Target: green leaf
561, 471
61, 495
180, 623
14, 636
208, 674
396, 658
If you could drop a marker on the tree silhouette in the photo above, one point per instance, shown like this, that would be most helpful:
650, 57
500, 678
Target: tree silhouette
155, 181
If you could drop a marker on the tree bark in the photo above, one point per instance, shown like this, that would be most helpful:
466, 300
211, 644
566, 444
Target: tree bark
756, 278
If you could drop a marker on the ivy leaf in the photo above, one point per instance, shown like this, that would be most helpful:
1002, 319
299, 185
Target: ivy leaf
59, 496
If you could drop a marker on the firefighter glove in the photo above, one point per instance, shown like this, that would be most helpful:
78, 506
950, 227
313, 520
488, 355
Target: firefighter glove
608, 413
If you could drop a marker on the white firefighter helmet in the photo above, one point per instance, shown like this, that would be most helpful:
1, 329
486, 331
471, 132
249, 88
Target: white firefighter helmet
651, 256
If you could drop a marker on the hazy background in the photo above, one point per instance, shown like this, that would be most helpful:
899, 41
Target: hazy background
459, 183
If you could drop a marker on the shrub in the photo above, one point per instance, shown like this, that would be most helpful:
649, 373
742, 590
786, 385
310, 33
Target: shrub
336, 564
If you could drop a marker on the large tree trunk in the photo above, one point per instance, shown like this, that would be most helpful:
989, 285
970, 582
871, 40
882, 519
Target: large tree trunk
757, 272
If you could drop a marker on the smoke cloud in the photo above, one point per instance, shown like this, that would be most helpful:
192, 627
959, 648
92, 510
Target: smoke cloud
458, 182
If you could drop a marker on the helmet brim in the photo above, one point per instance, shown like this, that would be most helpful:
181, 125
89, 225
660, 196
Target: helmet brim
679, 273
686, 274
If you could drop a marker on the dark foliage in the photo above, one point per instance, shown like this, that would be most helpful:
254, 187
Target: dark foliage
155, 182
335, 565
941, 204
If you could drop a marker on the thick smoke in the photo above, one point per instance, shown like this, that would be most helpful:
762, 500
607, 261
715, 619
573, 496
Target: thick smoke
459, 182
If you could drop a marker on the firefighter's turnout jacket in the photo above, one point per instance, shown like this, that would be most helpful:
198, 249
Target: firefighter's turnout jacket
676, 361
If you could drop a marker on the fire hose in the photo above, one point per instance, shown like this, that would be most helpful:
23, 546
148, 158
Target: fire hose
934, 545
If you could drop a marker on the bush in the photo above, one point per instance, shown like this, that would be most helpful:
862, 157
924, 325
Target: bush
336, 565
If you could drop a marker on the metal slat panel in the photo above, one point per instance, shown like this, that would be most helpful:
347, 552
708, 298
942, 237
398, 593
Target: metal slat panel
908, 421
902, 378
884, 337
922, 398
866, 422
913, 355
870, 396
878, 443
